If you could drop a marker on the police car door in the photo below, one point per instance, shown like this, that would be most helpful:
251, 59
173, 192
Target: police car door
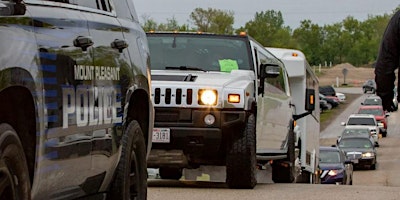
110, 58
273, 104
62, 37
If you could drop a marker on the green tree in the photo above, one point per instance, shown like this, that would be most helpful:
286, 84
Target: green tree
268, 29
213, 20
309, 38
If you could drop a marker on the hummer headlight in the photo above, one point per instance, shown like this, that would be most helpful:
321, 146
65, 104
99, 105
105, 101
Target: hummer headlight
380, 124
368, 155
207, 97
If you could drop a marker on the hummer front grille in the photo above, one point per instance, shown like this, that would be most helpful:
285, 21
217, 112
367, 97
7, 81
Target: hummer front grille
173, 96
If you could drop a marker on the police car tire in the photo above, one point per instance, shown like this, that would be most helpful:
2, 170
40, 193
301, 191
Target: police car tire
13, 166
132, 162
241, 159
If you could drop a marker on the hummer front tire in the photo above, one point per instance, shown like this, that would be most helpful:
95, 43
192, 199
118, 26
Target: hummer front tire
241, 159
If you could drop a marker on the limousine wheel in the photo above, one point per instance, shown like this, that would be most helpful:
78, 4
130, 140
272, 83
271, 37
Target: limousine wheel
241, 159
14, 175
130, 181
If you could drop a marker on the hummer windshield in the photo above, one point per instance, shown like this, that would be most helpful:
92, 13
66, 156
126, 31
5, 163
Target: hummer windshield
200, 52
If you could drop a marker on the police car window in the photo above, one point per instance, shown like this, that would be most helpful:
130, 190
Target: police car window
96, 4
103, 5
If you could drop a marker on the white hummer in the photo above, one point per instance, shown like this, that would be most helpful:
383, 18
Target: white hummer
221, 100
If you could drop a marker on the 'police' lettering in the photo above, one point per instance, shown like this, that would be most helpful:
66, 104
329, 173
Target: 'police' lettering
89, 106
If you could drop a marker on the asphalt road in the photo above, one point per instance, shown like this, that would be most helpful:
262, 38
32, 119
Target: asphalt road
380, 184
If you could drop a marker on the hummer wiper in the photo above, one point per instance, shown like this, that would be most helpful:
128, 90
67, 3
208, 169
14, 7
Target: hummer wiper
186, 68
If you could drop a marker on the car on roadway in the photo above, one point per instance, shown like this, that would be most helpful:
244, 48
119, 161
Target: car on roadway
395, 101
372, 100
360, 131
366, 120
381, 116
369, 86
360, 150
334, 166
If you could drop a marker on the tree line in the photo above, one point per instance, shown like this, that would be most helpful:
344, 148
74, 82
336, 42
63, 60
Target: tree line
349, 41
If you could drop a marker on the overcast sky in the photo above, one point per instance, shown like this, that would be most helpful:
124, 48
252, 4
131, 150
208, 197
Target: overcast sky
293, 11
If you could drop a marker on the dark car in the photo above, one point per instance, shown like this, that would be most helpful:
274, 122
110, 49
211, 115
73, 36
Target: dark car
327, 90
360, 150
335, 168
76, 113
369, 86
332, 101
324, 105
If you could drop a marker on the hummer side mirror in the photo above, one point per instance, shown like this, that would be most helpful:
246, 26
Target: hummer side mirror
267, 71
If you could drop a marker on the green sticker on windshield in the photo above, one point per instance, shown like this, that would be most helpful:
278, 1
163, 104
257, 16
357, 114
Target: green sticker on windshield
227, 65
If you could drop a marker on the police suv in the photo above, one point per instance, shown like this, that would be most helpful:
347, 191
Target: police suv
221, 100
75, 99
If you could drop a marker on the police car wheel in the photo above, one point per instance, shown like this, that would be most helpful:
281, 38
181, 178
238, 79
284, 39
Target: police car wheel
130, 181
241, 159
14, 174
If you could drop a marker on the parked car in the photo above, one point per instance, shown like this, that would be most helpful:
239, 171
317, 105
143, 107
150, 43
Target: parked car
336, 169
366, 120
360, 150
369, 86
341, 97
332, 101
372, 100
381, 116
327, 90
324, 105
360, 131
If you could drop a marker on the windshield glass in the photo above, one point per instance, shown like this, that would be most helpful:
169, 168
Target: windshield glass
376, 112
361, 121
196, 52
329, 157
355, 143
372, 101
356, 132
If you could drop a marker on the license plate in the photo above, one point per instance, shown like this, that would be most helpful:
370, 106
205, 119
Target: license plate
161, 135
355, 161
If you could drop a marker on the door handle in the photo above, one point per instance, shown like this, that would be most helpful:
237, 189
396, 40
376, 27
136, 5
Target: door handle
119, 44
83, 42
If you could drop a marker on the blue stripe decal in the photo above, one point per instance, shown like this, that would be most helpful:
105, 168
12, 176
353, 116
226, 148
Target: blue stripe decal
52, 106
51, 93
50, 56
49, 68
51, 81
52, 118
